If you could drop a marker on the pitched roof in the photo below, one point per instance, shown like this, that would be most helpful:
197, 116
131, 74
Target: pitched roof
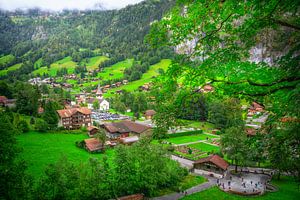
3, 99
69, 112
92, 144
250, 131
91, 128
125, 127
150, 112
215, 159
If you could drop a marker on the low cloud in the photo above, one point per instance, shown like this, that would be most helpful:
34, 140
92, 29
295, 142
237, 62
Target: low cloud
57, 5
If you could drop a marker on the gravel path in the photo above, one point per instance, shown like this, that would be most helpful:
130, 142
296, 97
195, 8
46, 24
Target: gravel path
198, 188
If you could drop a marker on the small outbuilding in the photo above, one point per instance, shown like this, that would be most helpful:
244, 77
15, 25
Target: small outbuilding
93, 145
149, 114
213, 163
92, 130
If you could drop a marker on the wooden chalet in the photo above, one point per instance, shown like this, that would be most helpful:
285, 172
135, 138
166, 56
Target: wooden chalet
74, 118
4, 101
92, 130
213, 163
125, 128
255, 107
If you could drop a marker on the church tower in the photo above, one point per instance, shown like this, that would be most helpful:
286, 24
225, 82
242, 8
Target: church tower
99, 94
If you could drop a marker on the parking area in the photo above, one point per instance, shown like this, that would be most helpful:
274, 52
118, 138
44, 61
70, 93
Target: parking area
107, 116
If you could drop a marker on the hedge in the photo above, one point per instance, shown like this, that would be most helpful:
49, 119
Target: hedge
172, 135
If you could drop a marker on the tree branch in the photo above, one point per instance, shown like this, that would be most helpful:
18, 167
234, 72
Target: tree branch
286, 24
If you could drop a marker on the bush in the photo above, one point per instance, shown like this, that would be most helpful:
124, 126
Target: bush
184, 133
23, 126
80, 144
41, 125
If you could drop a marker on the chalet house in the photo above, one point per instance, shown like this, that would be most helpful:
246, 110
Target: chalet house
124, 129
213, 163
255, 108
74, 118
7, 102
125, 82
93, 145
149, 114
92, 130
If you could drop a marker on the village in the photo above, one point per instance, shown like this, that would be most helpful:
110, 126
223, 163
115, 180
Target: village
195, 149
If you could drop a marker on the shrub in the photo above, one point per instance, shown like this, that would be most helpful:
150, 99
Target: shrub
23, 126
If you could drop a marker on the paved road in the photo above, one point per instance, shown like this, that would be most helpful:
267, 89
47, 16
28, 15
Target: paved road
211, 182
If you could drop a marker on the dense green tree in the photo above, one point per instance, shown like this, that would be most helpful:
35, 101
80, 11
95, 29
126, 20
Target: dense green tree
233, 143
96, 105
41, 125
27, 98
14, 182
50, 115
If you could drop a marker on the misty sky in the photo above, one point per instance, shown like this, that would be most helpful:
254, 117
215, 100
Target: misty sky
58, 5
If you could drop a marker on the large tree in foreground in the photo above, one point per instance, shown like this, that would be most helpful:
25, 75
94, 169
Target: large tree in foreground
14, 182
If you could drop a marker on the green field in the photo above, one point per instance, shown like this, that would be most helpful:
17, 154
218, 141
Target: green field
190, 138
93, 62
146, 78
117, 70
288, 190
12, 68
41, 149
205, 147
38, 63
6, 59
63, 63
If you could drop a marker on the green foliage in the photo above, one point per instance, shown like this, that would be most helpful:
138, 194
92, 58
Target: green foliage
144, 162
225, 114
41, 125
14, 182
23, 126
50, 115
233, 143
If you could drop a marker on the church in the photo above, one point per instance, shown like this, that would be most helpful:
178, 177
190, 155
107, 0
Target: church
103, 104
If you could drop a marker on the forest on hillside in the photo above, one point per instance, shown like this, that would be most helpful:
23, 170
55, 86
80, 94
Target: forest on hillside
118, 34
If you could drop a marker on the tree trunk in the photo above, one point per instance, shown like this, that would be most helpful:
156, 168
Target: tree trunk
236, 166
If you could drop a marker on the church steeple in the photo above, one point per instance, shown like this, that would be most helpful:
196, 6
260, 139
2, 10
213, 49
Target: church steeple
99, 92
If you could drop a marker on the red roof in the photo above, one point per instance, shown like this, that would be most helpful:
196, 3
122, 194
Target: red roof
91, 128
150, 112
256, 105
215, 159
93, 144
3, 99
69, 112
250, 131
